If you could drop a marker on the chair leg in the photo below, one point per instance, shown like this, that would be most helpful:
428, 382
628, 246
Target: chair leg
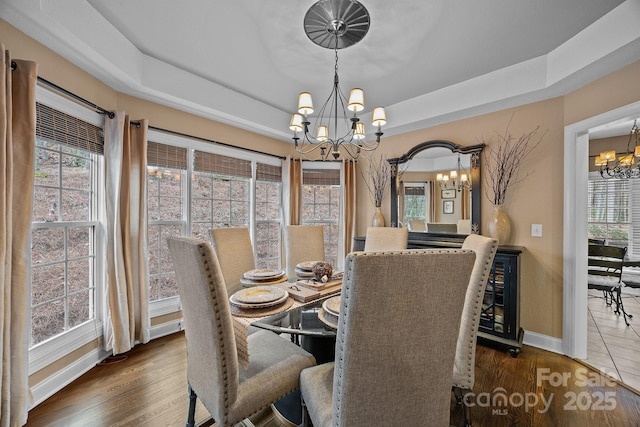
460, 400
620, 307
306, 421
191, 416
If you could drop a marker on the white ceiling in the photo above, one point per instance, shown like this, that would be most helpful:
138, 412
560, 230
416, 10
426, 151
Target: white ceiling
243, 62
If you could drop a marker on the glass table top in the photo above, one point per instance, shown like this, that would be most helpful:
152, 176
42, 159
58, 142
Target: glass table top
301, 320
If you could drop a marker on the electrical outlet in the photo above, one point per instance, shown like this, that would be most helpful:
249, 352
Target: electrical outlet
536, 230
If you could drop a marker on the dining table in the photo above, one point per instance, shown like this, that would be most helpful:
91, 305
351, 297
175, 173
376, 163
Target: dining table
307, 324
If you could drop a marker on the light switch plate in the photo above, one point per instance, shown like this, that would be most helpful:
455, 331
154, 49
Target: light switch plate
536, 230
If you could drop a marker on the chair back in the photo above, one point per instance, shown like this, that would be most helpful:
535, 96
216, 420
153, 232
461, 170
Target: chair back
235, 254
397, 332
417, 225
605, 266
465, 361
303, 243
386, 239
212, 361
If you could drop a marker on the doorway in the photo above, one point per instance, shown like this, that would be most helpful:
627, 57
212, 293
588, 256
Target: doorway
576, 157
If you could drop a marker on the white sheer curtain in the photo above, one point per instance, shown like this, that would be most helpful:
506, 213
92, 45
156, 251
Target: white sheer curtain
127, 300
18, 127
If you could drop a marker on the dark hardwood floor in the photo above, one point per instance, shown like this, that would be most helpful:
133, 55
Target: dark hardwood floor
540, 389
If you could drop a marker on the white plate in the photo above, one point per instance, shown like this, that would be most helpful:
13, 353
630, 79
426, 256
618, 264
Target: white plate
332, 305
259, 294
303, 273
328, 318
263, 274
307, 265
240, 304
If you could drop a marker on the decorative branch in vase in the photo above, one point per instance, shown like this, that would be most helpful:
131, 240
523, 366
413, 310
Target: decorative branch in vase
379, 174
502, 163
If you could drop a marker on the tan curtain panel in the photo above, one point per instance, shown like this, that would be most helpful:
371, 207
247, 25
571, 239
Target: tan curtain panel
18, 124
349, 204
295, 192
465, 205
127, 319
432, 201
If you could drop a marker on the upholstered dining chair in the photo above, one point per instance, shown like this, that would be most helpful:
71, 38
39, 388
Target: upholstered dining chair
386, 239
229, 391
417, 225
395, 345
465, 360
235, 254
302, 243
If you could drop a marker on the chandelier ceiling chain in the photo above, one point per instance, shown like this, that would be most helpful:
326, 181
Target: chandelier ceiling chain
624, 166
335, 24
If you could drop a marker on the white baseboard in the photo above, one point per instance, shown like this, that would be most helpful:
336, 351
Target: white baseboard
167, 328
54, 383
544, 342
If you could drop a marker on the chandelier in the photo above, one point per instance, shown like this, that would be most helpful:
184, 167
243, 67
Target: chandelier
451, 181
335, 24
625, 166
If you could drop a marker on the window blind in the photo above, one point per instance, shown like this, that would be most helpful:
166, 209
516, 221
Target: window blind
216, 163
414, 191
60, 127
168, 156
268, 172
321, 177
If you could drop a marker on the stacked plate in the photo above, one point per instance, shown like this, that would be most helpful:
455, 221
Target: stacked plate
263, 276
330, 312
304, 270
259, 297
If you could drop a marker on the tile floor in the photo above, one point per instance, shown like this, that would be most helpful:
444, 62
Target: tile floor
612, 346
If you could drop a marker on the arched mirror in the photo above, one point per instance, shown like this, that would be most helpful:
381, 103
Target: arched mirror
435, 188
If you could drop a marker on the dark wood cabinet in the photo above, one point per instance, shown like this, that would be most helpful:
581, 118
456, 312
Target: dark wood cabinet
500, 319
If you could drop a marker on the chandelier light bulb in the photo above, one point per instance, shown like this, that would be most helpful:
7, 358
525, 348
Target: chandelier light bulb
463, 178
379, 117
356, 100
305, 104
359, 132
322, 133
296, 122
453, 174
439, 177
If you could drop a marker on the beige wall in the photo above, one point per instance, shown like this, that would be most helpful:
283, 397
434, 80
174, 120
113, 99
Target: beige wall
539, 199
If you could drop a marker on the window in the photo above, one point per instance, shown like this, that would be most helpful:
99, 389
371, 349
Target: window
220, 193
321, 194
415, 202
609, 210
166, 172
63, 233
268, 215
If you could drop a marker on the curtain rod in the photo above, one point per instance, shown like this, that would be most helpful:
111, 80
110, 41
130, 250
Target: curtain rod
54, 86
111, 115
211, 141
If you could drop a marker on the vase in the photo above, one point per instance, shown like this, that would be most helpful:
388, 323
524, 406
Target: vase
378, 218
500, 225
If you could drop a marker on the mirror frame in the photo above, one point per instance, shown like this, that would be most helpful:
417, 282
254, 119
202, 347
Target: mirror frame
473, 150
